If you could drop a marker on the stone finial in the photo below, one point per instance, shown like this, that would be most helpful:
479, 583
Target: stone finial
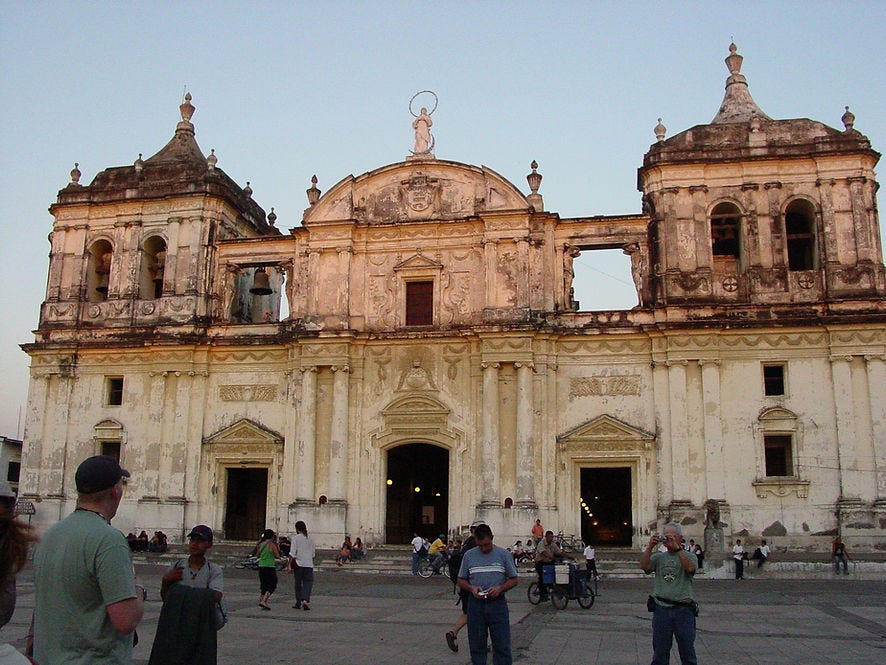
139, 165
734, 60
272, 217
534, 178
187, 109
660, 131
75, 174
212, 160
247, 191
738, 105
312, 192
848, 119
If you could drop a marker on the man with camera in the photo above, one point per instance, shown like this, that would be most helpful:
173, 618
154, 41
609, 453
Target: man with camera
671, 601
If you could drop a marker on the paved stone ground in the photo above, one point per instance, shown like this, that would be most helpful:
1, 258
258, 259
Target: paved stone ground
383, 619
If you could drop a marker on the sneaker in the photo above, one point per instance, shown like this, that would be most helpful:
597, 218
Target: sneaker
297, 606
451, 641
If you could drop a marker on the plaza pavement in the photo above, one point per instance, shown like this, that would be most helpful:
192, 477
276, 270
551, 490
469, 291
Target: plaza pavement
389, 619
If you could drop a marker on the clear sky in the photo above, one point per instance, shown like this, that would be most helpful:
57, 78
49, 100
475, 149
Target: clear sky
284, 90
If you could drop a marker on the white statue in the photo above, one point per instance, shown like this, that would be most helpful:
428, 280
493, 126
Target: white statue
422, 126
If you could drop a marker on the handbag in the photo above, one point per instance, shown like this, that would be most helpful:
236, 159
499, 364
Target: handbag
219, 616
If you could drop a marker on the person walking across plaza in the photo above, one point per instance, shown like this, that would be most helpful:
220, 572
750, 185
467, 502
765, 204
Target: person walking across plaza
192, 591
87, 602
840, 555
487, 573
538, 532
418, 551
590, 555
455, 560
301, 563
268, 552
674, 605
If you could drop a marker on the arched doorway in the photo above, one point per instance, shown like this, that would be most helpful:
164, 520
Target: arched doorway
417, 492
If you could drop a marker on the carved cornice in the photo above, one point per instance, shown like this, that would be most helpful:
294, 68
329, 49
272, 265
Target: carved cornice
781, 487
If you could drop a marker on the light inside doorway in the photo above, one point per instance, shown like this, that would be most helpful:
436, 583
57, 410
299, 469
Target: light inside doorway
605, 506
417, 492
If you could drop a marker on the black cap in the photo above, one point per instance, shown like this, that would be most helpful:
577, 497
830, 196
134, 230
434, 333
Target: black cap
98, 473
201, 531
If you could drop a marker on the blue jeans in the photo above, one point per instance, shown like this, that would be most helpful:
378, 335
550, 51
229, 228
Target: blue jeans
838, 559
492, 617
668, 623
415, 559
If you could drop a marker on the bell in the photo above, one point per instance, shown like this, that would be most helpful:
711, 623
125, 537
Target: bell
260, 284
102, 283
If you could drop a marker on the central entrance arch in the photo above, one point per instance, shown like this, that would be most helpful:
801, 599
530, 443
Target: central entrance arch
417, 495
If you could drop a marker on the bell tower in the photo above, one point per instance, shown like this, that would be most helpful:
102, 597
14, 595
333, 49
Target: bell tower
749, 211
134, 249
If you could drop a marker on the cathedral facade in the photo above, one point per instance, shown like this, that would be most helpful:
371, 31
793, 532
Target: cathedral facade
411, 358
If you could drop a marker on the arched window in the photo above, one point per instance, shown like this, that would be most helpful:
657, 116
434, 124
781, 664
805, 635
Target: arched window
153, 268
725, 231
98, 270
799, 222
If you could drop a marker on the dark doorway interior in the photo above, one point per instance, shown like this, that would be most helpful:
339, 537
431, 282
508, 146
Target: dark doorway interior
246, 503
606, 513
426, 511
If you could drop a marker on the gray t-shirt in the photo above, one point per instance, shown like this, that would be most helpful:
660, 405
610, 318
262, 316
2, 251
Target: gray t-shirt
671, 582
487, 570
210, 576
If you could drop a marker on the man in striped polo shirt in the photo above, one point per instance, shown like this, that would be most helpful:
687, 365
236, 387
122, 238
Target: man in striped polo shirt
487, 572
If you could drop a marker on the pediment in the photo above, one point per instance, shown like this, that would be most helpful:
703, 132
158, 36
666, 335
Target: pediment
244, 431
418, 262
776, 413
607, 428
412, 405
424, 190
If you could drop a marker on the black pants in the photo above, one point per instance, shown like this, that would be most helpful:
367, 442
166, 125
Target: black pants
267, 577
739, 569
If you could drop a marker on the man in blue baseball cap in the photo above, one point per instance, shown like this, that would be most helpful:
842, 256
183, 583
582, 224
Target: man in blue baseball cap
88, 602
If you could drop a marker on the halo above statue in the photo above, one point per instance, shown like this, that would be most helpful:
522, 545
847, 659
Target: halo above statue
423, 92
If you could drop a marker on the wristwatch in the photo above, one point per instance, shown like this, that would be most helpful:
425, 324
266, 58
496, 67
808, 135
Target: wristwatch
144, 592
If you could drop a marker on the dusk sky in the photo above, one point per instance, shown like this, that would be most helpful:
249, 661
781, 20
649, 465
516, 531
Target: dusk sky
285, 90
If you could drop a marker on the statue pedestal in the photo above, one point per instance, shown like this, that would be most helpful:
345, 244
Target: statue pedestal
713, 543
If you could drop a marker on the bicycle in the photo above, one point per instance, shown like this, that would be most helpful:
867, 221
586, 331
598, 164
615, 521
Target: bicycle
568, 543
560, 594
427, 569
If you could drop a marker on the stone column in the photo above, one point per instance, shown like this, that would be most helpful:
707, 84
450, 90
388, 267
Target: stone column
489, 492
307, 436
338, 436
664, 469
713, 433
679, 439
876, 375
525, 438
847, 460
170, 269
149, 449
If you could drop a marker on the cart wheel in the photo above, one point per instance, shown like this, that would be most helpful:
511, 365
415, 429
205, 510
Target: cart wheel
533, 593
559, 599
586, 600
425, 569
